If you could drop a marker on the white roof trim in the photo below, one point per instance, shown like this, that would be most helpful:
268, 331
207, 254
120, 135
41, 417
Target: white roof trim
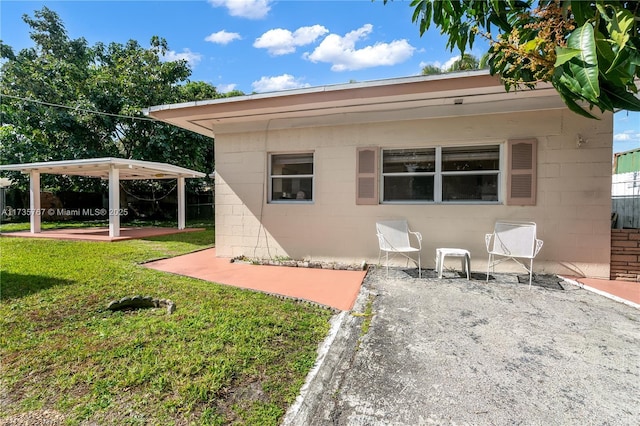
99, 167
318, 89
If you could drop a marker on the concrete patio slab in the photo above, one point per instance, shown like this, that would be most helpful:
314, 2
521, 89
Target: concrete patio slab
456, 351
333, 288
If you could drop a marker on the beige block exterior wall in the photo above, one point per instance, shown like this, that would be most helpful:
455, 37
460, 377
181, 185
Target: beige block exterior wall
573, 199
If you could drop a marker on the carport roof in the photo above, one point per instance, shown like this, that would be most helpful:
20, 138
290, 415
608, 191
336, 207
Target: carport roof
99, 167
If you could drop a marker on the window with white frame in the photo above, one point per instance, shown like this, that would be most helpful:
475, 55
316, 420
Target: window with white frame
470, 173
291, 177
441, 174
408, 174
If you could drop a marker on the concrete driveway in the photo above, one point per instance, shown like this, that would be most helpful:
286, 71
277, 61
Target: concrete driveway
457, 352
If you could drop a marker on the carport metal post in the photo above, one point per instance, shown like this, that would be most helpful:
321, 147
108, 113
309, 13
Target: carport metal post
114, 202
34, 201
181, 203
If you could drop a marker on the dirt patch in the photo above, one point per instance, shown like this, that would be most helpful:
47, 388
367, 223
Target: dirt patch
35, 418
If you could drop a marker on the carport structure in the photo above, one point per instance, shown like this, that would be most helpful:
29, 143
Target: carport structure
112, 169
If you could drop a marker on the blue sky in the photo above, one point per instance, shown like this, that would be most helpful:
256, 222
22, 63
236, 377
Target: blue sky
266, 45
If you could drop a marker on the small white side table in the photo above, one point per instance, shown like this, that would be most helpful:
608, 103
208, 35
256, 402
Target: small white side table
465, 256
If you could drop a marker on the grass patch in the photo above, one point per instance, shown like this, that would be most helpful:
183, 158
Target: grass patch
224, 356
367, 317
72, 224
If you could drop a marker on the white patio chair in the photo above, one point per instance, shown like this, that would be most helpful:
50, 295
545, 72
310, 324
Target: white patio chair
394, 238
515, 241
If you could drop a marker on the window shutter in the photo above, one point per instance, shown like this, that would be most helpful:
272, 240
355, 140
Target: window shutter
521, 172
367, 176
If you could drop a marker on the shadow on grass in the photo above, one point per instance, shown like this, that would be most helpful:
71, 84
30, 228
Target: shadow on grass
15, 286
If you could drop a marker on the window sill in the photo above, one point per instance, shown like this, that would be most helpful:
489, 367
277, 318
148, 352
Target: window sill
289, 202
439, 203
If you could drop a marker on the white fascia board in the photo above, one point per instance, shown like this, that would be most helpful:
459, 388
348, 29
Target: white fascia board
315, 89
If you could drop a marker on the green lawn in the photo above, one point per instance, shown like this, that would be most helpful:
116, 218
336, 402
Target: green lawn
224, 356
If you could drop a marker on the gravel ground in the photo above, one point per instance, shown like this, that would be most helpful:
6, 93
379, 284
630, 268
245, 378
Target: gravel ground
458, 352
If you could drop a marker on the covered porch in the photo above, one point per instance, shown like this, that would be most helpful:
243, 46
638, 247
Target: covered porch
112, 169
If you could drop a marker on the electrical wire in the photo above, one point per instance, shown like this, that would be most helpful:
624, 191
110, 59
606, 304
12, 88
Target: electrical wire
130, 117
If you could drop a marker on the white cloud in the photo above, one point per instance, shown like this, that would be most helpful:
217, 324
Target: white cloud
222, 37
192, 58
281, 42
280, 82
436, 64
343, 55
444, 67
627, 135
450, 63
251, 9
226, 88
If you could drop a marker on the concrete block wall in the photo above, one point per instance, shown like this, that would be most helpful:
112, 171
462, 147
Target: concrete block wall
573, 209
625, 254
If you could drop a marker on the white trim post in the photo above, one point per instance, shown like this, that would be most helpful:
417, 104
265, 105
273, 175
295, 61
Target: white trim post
181, 203
114, 202
34, 201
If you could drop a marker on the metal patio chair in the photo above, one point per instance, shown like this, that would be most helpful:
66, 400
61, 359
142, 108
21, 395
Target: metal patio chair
394, 238
513, 241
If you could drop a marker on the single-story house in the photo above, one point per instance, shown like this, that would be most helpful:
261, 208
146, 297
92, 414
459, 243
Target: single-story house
306, 173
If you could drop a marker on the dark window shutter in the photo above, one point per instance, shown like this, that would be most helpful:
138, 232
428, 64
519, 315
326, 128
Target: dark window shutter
367, 176
521, 172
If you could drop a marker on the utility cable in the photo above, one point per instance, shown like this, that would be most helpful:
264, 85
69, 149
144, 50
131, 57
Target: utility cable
130, 117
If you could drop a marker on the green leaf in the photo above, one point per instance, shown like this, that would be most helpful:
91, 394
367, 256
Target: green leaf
606, 55
619, 27
601, 9
581, 11
584, 67
572, 105
619, 66
531, 45
621, 99
618, 62
564, 54
605, 103
565, 76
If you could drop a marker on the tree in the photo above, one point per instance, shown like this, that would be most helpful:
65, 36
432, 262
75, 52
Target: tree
588, 50
431, 70
465, 62
63, 99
